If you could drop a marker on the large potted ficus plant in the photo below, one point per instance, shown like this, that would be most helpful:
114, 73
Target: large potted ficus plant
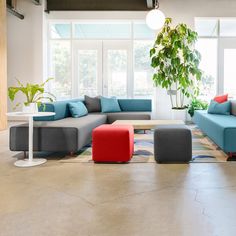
176, 64
34, 93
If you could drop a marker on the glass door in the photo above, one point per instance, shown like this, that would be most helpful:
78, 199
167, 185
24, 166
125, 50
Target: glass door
87, 68
227, 66
117, 61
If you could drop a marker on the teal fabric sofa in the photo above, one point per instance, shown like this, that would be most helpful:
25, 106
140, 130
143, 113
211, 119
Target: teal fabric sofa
63, 133
61, 108
220, 128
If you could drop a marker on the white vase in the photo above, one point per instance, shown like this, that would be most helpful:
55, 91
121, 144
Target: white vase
30, 108
179, 114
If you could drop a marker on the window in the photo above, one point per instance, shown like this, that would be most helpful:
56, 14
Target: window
206, 27
102, 30
60, 63
230, 72
60, 31
142, 31
143, 72
228, 27
87, 73
117, 72
107, 58
217, 45
209, 66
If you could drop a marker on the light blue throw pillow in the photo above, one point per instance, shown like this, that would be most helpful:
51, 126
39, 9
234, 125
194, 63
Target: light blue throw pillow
77, 109
219, 108
110, 105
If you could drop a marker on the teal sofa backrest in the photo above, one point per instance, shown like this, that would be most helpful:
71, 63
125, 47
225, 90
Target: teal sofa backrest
61, 108
135, 104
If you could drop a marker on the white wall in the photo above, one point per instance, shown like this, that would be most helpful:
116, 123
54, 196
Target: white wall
26, 46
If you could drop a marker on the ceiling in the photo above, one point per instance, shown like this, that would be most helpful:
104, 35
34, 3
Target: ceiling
99, 5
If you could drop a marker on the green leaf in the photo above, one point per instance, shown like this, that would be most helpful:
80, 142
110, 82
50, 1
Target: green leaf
152, 52
174, 58
33, 92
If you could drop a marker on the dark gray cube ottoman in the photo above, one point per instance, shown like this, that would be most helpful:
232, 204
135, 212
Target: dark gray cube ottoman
172, 144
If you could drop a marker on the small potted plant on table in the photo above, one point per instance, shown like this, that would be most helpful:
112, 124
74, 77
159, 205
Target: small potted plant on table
35, 94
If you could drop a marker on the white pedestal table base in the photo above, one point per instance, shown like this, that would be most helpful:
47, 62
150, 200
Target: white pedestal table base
29, 163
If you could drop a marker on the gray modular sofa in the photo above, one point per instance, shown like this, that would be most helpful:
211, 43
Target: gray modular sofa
62, 133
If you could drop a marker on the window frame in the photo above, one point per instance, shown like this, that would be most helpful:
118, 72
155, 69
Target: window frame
220, 42
73, 41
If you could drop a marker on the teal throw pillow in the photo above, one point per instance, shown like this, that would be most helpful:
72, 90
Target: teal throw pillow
219, 108
77, 109
110, 105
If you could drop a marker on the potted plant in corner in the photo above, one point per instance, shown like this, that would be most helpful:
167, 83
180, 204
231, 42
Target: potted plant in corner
196, 104
34, 93
176, 64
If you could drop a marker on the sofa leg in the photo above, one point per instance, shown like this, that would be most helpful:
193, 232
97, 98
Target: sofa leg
232, 156
25, 155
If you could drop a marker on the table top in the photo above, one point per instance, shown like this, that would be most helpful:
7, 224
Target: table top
36, 114
148, 124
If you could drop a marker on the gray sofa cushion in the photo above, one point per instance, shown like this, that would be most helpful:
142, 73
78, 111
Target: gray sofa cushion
112, 117
92, 104
233, 107
51, 139
69, 134
84, 125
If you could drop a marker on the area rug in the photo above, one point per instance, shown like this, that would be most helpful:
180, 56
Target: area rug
204, 150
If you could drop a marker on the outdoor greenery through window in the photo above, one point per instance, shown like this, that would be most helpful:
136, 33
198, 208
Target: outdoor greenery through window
110, 58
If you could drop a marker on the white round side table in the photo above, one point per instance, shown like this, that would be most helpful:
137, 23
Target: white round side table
30, 161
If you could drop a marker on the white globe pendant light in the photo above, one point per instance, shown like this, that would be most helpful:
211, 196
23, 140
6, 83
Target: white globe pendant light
155, 18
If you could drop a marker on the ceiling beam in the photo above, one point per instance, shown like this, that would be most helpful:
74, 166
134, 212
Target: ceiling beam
149, 3
36, 2
97, 5
15, 13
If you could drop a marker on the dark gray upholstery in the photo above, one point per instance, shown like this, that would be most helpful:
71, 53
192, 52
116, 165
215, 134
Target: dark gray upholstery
93, 104
58, 139
172, 143
68, 134
112, 117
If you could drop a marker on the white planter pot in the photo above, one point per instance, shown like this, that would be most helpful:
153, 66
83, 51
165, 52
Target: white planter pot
179, 114
31, 108
189, 118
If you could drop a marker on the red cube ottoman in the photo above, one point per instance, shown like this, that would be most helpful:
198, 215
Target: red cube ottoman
113, 143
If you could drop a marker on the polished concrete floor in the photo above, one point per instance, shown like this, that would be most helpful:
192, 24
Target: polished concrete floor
67, 199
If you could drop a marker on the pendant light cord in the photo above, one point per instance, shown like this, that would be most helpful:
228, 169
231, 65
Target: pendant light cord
156, 4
